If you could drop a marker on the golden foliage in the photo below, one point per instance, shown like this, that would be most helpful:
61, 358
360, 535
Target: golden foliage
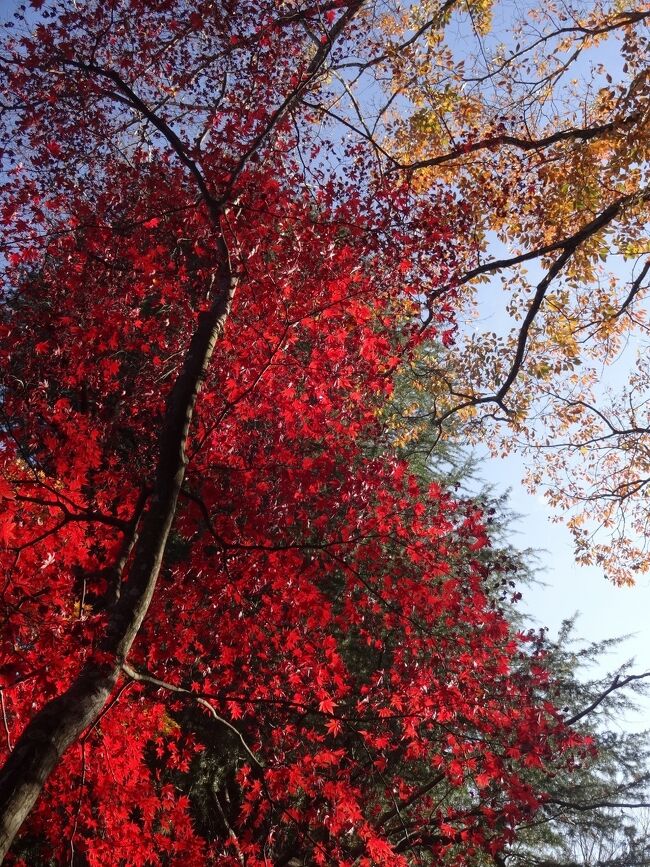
541, 126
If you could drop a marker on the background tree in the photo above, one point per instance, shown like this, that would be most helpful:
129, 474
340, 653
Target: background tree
596, 813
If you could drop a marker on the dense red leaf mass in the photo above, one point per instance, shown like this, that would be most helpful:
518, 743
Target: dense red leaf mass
320, 621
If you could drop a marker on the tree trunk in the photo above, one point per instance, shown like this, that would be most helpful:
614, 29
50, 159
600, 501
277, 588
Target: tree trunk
63, 719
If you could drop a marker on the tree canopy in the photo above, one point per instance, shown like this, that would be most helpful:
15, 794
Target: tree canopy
231, 297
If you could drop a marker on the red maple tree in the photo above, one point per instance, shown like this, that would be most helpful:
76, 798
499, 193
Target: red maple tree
205, 301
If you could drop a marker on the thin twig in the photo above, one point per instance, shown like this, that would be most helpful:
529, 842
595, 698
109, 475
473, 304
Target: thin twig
5, 721
82, 784
161, 684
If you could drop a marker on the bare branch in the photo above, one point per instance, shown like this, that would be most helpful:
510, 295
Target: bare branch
524, 144
617, 683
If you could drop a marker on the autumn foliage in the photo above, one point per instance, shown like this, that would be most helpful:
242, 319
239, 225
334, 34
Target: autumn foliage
543, 125
214, 562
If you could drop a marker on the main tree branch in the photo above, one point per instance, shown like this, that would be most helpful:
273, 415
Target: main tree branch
62, 720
